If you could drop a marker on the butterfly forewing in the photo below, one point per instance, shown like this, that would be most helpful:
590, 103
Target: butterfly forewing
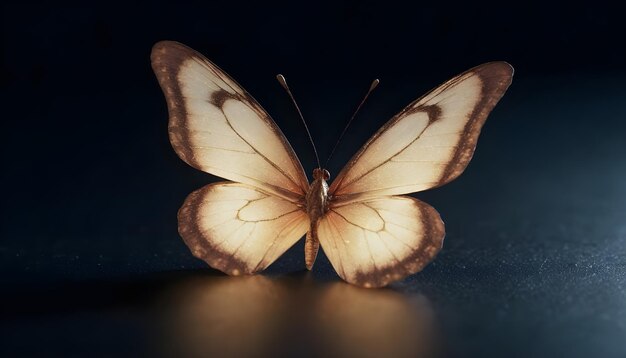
217, 127
427, 144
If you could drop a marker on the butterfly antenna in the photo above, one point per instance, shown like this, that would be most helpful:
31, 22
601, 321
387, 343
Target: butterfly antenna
372, 87
283, 83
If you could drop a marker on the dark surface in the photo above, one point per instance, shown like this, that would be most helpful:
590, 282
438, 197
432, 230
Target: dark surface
534, 262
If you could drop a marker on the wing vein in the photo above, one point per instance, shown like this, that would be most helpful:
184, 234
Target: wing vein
369, 248
218, 75
259, 153
280, 192
348, 221
441, 134
254, 226
343, 271
262, 220
386, 160
219, 148
388, 249
227, 237
288, 225
435, 162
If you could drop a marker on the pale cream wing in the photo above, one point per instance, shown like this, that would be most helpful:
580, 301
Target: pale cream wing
375, 242
430, 142
217, 127
239, 229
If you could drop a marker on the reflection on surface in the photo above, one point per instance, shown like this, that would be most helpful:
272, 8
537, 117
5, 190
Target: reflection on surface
367, 323
222, 316
260, 316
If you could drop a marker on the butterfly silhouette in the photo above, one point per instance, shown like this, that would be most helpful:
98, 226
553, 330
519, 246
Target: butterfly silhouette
370, 232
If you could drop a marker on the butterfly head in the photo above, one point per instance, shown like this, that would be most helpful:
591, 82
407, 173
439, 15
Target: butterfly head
319, 173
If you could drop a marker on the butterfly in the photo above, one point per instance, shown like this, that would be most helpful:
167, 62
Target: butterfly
370, 231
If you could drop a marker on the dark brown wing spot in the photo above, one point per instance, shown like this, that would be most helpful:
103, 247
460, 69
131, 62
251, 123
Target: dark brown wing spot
433, 111
219, 97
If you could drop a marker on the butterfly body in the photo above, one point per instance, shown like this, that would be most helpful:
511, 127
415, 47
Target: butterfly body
317, 202
371, 232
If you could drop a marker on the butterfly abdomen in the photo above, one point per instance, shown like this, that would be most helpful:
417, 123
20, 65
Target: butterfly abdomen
316, 207
311, 246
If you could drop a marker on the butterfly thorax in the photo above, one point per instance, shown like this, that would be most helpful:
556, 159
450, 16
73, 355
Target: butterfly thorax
316, 207
317, 196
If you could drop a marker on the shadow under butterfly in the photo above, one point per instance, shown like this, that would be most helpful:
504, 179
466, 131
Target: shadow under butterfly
370, 232
258, 316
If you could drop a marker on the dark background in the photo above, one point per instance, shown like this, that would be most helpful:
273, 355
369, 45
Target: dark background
91, 264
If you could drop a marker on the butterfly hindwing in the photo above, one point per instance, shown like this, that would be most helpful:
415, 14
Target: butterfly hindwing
217, 127
239, 229
430, 142
374, 242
